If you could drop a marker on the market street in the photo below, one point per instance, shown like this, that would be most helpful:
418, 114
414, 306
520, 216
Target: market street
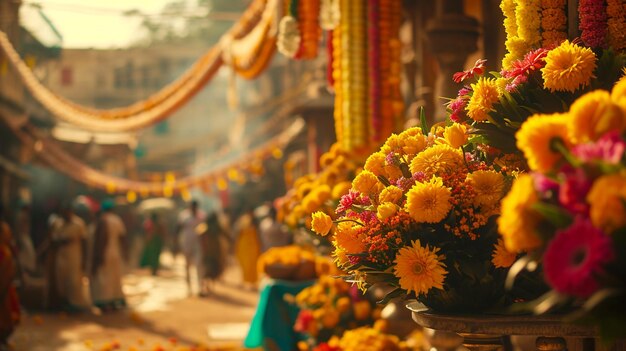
161, 317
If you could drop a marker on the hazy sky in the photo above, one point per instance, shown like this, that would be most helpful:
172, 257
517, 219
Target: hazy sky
93, 23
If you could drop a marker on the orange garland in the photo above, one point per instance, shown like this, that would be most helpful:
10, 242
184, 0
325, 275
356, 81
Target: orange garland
310, 31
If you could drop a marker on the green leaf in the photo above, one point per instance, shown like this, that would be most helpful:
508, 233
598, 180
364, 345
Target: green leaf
556, 215
423, 121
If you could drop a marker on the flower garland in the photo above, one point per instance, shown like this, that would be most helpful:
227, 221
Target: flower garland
354, 82
308, 15
616, 11
145, 112
528, 17
553, 22
57, 158
329, 14
337, 80
374, 9
593, 22
512, 43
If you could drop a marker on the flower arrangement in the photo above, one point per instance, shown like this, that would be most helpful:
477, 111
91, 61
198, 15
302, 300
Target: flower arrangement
420, 217
330, 307
569, 213
320, 191
542, 81
293, 263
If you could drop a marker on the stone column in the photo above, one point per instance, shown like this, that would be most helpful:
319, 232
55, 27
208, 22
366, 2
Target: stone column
452, 37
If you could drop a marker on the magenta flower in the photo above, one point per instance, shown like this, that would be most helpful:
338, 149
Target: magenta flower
479, 68
609, 148
573, 191
532, 61
346, 201
575, 257
545, 184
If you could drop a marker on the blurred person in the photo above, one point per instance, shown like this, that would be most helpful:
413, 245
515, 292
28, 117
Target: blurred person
26, 257
68, 234
108, 266
248, 248
272, 232
155, 232
213, 244
9, 303
189, 240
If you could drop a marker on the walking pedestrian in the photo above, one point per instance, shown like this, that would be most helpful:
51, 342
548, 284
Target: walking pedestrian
189, 239
213, 242
108, 262
248, 248
155, 232
67, 237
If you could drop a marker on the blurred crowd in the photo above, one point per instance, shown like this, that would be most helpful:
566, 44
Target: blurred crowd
77, 265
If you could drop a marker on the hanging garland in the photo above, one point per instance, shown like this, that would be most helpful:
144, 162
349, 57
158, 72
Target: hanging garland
167, 100
57, 158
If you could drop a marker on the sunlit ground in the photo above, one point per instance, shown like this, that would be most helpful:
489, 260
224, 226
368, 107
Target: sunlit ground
161, 316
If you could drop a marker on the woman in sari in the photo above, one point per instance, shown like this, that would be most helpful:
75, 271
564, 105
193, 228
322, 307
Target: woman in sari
248, 248
213, 242
107, 267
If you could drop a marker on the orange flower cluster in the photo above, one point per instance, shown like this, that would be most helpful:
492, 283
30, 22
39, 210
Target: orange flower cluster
616, 11
310, 31
553, 22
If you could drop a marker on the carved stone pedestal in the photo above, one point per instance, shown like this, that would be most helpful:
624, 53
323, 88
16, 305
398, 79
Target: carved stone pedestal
491, 332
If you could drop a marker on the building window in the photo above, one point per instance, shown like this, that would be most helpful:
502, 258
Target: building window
66, 76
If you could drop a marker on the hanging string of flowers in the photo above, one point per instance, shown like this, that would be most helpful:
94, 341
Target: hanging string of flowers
60, 160
553, 22
329, 14
593, 22
289, 36
616, 11
157, 106
310, 31
528, 17
337, 82
513, 44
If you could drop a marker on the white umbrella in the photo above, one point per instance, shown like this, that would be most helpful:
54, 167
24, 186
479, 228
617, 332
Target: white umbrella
156, 204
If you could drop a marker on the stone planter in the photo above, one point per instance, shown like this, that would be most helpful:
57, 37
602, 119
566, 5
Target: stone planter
500, 332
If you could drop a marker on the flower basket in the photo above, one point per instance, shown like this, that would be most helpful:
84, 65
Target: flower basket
281, 271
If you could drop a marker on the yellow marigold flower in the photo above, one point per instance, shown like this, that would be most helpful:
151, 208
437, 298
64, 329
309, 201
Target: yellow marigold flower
310, 203
366, 183
501, 258
304, 189
428, 202
568, 67
386, 210
455, 135
343, 304
419, 268
340, 256
375, 163
593, 115
392, 172
326, 159
322, 193
393, 144
348, 239
413, 144
390, 194
606, 197
536, 139
618, 94
518, 220
330, 318
484, 96
488, 185
341, 189
361, 310
321, 223
411, 132
437, 160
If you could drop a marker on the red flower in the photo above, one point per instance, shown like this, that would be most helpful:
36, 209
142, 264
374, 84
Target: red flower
533, 61
478, 68
575, 257
304, 319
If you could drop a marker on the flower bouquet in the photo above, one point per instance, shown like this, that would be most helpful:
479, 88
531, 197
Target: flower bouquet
569, 213
420, 218
330, 307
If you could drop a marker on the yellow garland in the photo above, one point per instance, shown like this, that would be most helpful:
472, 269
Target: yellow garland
337, 78
510, 27
528, 17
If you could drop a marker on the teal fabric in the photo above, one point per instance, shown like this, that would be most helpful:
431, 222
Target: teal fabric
274, 317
